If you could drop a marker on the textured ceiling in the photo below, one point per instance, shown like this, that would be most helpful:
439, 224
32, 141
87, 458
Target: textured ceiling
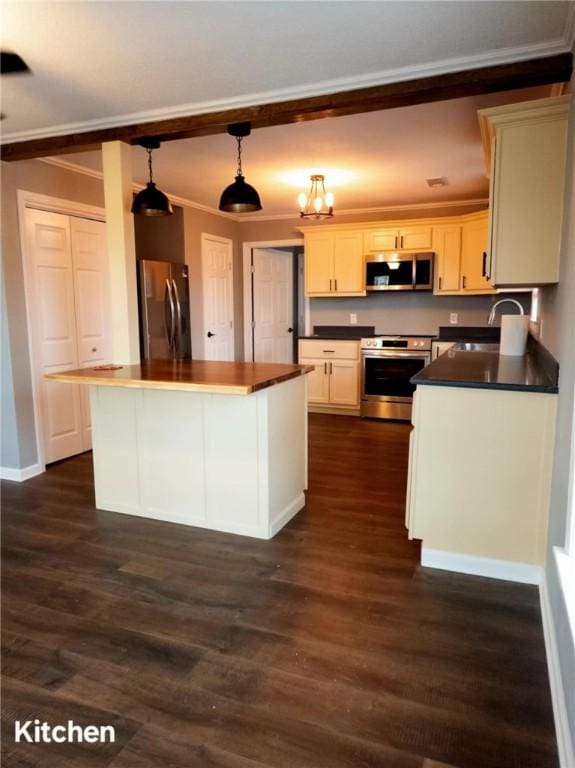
108, 63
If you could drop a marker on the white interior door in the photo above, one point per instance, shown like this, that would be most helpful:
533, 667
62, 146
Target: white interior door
92, 304
51, 299
273, 305
218, 297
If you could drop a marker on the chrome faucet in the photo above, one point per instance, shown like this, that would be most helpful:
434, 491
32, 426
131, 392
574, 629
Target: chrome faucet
491, 318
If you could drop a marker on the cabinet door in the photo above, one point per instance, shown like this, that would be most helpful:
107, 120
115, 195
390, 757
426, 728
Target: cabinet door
527, 201
473, 257
51, 295
92, 303
381, 240
317, 380
448, 247
318, 263
349, 270
343, 382
415, 238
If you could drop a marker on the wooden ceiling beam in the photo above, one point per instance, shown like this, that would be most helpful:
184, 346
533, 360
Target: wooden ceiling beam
452, 85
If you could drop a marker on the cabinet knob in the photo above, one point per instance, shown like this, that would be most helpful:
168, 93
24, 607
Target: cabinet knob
94, 349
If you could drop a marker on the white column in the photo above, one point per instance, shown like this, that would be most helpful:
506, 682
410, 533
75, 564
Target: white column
117, 161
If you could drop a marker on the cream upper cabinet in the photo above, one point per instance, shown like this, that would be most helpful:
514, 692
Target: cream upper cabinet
527, 146
474, 257
349, 266
318, 263
415, 238
334, 263
406, 238
448, 259
381, 240
461, 256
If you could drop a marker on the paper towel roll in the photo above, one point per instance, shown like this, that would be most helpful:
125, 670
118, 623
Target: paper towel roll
514, 330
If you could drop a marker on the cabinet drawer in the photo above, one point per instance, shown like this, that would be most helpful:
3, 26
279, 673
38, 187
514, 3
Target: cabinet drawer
324, 348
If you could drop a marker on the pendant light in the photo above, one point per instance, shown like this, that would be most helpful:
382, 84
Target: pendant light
317, 204
240, 197
150, 201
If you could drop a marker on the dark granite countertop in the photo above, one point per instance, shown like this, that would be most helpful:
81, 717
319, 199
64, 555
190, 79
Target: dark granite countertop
341, 332
334, 337
487, 333
536, 371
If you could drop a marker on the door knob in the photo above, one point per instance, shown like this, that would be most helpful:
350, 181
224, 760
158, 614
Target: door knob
210, 334
290, 330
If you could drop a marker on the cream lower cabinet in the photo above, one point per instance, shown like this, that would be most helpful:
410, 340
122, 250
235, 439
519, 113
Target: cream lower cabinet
479, 479
334, 382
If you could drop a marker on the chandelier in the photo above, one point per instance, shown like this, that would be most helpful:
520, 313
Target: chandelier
317, 204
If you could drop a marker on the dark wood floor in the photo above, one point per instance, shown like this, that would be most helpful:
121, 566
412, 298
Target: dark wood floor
325, 647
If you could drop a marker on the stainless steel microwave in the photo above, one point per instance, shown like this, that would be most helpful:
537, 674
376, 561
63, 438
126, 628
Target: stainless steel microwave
399, 272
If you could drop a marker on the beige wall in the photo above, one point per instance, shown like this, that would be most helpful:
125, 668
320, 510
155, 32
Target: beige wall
557, 332
407, 312
39, 177
197, 222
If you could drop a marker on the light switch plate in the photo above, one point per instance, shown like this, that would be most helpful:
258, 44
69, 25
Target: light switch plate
353, 318
454, 318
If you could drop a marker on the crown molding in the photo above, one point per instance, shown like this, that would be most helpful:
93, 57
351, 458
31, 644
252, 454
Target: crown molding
184, 201
379, 209
322, 88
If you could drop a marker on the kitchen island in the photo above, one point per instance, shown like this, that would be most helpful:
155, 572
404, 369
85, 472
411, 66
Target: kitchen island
218, 445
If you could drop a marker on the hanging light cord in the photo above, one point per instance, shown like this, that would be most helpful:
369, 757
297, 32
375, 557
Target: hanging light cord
149, 151
239, 140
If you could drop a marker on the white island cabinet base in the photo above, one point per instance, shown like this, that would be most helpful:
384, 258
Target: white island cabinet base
226, 462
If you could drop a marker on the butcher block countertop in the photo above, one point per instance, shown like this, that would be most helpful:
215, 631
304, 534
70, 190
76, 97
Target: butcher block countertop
225, 378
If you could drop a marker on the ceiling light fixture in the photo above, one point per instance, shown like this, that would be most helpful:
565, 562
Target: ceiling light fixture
150, 201
240, 197
317, 204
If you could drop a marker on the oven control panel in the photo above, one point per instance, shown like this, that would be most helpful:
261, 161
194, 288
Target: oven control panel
415, 343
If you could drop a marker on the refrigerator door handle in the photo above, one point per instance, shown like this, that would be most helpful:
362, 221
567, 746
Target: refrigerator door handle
169, 317
178, 332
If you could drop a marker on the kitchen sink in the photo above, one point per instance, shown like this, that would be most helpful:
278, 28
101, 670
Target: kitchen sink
476, 346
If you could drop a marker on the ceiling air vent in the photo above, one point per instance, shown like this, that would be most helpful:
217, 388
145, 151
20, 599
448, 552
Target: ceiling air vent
440, 181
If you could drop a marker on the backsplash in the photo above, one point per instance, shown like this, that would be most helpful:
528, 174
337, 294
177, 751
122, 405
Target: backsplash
408, 313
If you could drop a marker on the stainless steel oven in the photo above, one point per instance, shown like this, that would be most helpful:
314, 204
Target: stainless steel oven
388, 363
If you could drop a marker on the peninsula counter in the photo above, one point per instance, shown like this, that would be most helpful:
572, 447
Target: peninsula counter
219, 445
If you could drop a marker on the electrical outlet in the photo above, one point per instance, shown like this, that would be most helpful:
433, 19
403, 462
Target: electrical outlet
454, 318
353, 318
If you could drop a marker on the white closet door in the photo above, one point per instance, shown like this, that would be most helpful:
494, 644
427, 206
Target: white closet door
51, 297
273, 305
92, 304
218, 286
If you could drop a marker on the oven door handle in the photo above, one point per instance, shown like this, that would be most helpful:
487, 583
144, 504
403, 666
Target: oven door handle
423, 355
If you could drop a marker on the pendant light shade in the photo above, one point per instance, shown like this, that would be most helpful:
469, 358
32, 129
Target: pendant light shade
240, 197
151, 201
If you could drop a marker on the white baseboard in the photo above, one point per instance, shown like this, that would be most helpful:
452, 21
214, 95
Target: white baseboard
278, 522
562, 732
525, 573
19, 475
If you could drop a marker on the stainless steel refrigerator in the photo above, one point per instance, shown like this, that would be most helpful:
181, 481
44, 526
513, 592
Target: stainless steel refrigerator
164, 307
